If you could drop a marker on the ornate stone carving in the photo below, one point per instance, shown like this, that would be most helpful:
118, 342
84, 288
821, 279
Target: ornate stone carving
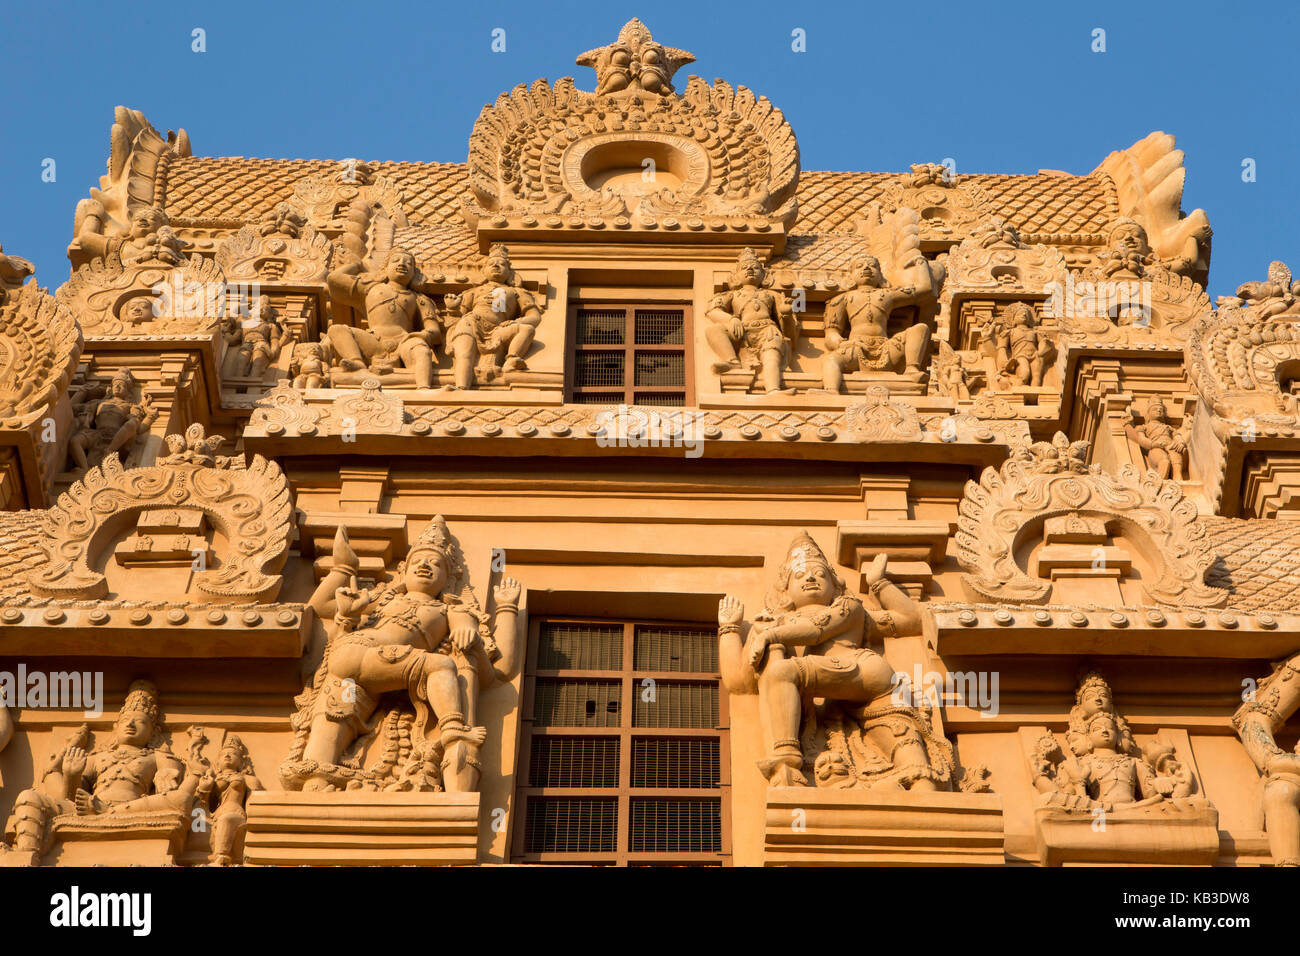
402, 323
495, 323
859, 737
419, 647
1149, 178
138, 160
1109, 800
255, 341
133, 783
554, 152
878, 418
752, 326
282, 411
1047, 481
857, 336
1243, 358
40, 343
1163, 445
248, 506
370, 410
108, 420
158, 293
282, 248
1017, 347
224, 792
1266, 710
329, 200
948, 206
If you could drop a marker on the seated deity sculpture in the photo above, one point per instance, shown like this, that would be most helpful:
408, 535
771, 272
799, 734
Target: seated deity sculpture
857, 324
256, 340
424, 636
309, 367
813, 641
134, 774
1105, 768
1164, 446
1263, 715
402, 325
106, 423
750, 322
497, 321
1021, 349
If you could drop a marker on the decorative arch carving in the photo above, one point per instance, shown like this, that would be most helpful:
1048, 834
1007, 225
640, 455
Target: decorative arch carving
249, 506
1050, 480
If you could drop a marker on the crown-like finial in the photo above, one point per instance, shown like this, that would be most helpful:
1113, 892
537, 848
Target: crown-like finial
635, 63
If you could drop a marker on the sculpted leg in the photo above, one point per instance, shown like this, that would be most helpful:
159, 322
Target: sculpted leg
833, 372
29, 825
724, 347
917, 346
464, 352
781, 699
418, 357
773, 360
1282, 821
519, 346
1158, 459
125, 435
346, 348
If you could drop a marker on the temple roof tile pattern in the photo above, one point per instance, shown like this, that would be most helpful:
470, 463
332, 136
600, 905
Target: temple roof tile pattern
235, 189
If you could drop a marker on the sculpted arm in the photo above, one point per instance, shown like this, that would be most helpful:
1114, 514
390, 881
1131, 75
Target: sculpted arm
837, 317
1256, 724
529, 311
903, 611
507, 630
720, 309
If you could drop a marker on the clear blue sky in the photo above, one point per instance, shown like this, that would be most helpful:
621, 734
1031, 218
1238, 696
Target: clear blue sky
999, 87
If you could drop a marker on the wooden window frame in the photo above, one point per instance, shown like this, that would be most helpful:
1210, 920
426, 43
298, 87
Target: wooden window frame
629, 678
627, 392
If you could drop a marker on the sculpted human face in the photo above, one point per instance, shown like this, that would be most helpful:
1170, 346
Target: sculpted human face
134, 727
811, 584
117, 388
230, 759
498, 270
1103, 732
144, 222
868, 274
426, 573
1097, 699
401, 267
139, 309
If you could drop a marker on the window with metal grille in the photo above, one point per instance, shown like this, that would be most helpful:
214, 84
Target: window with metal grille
629, 354
623, 759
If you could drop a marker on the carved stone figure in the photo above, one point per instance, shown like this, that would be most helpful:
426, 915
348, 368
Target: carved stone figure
257, 339
1128, 254
752, 323
232, 780
150, 239
1278, 295
496, 323
1164, 445
635, 63
1106, 769
424, 635
1267, 709
108, 421
1020, 349
812, 641
402, 326
133, 775
310, 367
857, 323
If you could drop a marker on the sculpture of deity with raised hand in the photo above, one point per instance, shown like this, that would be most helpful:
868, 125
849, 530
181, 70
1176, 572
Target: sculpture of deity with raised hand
1164, 445
422, 634
498, 320
1267, 708
402, 324
812, 641
135, 773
